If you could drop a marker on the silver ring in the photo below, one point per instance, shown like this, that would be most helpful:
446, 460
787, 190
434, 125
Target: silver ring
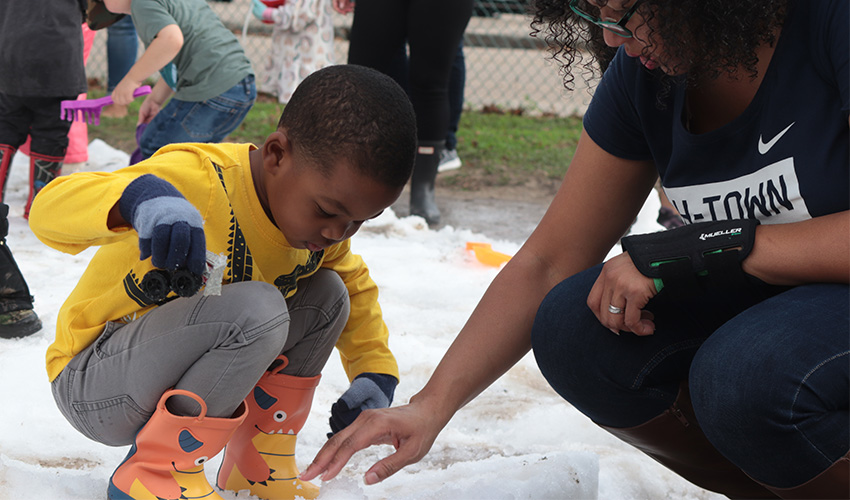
614, 309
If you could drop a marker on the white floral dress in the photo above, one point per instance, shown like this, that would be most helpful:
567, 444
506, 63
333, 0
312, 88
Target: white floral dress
302, 42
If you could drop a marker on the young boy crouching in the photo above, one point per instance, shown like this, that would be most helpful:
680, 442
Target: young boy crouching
179, 376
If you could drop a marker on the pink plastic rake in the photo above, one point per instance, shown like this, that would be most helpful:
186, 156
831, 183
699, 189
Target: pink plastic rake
88, 110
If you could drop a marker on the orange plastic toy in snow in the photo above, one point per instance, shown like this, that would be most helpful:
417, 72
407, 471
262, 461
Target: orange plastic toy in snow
486, 255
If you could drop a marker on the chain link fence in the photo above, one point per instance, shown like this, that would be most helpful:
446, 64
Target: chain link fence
506, 68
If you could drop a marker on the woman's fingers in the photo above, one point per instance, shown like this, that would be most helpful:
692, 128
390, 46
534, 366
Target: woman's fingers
394, 426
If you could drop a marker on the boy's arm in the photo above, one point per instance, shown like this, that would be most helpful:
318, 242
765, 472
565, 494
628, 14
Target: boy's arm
74, 212
364, 343
99, 208
114, 220
161, 51
153, 102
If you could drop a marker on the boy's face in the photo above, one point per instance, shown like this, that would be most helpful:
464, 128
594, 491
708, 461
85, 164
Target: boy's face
314, 211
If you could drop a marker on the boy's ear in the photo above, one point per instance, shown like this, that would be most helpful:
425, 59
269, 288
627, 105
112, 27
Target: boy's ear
276, 149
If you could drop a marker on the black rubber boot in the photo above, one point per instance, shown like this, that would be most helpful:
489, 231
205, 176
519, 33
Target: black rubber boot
422, 202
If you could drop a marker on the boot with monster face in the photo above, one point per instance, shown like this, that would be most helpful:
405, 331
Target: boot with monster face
168, 455
261, 456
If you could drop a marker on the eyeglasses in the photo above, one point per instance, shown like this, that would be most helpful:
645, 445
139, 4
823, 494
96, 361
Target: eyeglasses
618, 28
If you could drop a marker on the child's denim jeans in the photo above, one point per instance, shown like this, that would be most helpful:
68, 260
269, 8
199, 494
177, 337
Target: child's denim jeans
205, 121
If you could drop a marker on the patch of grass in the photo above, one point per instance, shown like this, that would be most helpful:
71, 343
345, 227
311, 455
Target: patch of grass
506, 149
497, 148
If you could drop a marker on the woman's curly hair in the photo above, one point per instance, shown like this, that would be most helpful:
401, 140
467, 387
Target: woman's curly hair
709, 37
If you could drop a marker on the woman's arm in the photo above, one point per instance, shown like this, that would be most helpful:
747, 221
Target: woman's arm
597, 202
812, 251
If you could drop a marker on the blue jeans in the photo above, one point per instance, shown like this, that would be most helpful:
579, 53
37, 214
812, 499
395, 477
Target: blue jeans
768, 369
121, 50
205, 121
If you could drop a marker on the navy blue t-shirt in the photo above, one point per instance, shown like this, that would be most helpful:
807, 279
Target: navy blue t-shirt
786, 158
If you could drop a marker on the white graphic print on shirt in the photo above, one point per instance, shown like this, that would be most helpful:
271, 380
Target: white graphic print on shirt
771, 194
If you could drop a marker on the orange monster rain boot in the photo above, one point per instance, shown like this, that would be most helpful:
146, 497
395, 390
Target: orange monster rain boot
167, 458
261, 456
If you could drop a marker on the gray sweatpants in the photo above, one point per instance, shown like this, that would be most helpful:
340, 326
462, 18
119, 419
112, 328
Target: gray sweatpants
214, 346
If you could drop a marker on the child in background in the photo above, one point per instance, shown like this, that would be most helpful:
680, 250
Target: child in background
302, 42
77, 152
35, 77
201, 64
122, 46
169, 376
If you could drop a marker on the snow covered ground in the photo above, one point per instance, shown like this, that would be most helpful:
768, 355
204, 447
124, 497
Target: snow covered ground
518, 440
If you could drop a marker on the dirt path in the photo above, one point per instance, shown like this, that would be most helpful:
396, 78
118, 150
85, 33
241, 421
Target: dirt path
504, 213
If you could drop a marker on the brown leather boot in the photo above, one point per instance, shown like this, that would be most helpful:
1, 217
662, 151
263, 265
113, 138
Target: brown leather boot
675, 440
834, 482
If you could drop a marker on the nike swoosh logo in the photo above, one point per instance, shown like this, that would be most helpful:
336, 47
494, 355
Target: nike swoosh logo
764, 147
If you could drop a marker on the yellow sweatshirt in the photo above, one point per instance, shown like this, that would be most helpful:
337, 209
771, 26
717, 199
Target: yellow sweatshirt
70, 213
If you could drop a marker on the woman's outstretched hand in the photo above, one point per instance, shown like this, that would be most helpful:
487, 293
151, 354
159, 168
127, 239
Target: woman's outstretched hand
410, 429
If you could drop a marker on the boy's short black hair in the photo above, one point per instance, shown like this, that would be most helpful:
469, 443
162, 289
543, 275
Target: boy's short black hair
357, 113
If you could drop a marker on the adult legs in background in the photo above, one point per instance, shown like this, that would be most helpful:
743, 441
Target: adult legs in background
207, 121
380, 28
639, 388
450, 160
121, 49
431, 60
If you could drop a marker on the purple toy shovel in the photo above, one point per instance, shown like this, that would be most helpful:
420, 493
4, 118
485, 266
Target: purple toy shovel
88, 110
